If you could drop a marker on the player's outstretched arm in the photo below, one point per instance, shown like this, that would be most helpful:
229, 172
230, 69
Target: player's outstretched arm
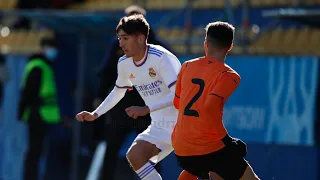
118, 92
111, 100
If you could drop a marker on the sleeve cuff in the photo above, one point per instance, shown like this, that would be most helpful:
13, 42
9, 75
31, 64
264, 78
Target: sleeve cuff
171, 84
95, 111
124, 87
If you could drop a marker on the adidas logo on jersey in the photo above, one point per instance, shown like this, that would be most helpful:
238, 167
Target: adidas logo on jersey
131, 76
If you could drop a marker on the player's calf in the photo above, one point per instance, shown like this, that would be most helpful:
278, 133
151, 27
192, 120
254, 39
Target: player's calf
138, 156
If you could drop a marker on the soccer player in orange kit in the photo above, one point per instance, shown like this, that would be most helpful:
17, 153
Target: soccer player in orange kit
200, 141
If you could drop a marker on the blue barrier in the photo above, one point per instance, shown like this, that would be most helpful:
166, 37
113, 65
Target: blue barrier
277, 162
275, 100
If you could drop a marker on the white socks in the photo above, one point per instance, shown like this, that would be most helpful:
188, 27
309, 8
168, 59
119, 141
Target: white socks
147, 172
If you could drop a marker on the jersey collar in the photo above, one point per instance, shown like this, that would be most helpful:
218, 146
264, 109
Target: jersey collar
144, 59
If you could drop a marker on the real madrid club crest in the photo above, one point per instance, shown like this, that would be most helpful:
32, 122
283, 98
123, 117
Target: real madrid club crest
152, 72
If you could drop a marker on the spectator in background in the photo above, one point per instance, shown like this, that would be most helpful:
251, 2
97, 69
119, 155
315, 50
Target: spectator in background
38, 105
121, 124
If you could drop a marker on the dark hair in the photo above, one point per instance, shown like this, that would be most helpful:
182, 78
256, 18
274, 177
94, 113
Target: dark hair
134, 25
220, 34
48, 42
135, 9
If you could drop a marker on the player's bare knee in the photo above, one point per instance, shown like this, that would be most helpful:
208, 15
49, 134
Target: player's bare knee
139, 154
133, 154
137, 157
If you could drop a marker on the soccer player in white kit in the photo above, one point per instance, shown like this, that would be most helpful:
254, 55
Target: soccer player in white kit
153, 71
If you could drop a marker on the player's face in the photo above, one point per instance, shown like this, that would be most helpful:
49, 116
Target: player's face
128, 43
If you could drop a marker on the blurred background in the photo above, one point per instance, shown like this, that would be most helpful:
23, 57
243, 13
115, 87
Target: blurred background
275, 109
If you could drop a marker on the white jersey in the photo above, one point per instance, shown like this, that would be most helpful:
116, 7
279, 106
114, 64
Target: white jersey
152, 78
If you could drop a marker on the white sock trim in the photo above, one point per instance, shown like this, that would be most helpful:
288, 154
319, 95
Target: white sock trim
145, 170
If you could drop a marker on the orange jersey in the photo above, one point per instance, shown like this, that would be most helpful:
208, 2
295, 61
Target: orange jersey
202, 88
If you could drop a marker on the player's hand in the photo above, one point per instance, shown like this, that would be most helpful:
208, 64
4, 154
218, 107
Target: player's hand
86, 116
136, 111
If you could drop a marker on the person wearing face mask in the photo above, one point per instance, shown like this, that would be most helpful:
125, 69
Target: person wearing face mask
38, 106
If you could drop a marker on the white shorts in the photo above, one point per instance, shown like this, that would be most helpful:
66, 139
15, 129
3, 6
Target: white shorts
159, 137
